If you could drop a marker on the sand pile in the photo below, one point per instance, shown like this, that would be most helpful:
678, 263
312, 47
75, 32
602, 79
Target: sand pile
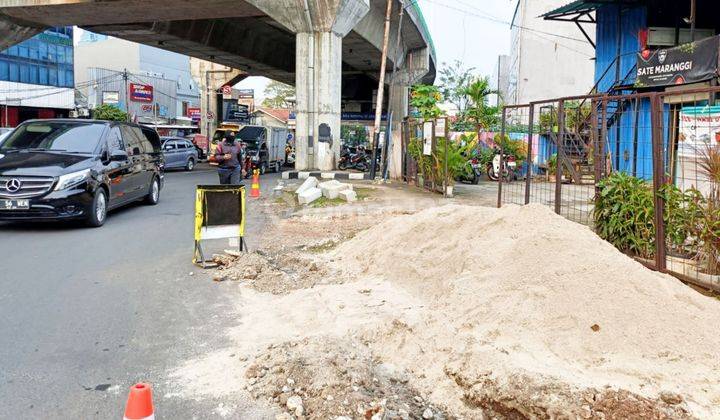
529, 314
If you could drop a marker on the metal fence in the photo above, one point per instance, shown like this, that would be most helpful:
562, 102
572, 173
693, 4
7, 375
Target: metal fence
642, 169
425, 153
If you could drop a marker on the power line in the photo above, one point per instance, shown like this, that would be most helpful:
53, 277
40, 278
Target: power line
45, 88
491, 18
57, 90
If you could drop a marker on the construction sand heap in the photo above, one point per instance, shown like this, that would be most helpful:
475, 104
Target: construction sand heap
462, 312
528, 313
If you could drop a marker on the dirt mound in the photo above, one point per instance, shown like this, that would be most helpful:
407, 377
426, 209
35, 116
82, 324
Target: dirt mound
276, 272
335, 378
521, 292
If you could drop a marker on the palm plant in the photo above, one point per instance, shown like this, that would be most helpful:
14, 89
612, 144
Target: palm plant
708, 230
479, 112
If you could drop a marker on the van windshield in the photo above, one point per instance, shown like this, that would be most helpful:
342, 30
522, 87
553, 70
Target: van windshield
59, 136
251, 136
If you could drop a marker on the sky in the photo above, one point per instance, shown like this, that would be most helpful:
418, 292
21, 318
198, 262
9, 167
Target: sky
465, 30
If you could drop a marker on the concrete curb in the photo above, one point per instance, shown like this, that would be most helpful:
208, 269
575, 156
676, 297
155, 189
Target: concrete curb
325, 175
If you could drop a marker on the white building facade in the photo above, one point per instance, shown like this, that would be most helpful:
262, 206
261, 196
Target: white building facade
548, 59
174, 89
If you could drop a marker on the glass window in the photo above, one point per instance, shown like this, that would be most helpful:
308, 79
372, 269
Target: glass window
52, 76
34, 74
133, 139
34, 53
60, 54
43, 75
61, 78
150, 140
14, 72
170, 145
115, 140
4, 71
52, 53
69, 55
24, 73
23, 51
43, 50
13, 50
69, 80
66, 136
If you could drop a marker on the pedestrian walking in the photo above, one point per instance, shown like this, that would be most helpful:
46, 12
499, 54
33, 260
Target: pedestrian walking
229, 155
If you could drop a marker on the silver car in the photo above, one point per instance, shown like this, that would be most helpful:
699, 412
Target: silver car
179, 153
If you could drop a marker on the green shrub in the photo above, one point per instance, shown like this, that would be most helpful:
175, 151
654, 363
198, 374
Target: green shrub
624, 213
109, 113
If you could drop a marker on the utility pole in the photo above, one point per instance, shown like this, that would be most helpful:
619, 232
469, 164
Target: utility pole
693, 15
381, 88
127, 94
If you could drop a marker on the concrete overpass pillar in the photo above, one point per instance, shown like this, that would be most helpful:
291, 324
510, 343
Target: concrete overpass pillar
319, 26
318, 85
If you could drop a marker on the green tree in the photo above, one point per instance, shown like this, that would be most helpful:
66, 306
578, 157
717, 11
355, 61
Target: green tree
278, 95
109, 113
454, 82
353, 135
425, 98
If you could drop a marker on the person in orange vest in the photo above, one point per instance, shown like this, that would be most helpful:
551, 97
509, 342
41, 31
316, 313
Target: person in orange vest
229, 155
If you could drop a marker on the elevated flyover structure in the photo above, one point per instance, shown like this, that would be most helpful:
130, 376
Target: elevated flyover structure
329, 49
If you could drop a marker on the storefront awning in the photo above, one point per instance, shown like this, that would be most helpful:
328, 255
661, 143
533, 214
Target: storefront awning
580, 10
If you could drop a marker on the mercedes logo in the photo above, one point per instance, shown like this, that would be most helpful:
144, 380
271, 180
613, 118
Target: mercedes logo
13, 185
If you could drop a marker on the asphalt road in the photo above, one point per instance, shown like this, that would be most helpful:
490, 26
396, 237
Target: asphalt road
85, 313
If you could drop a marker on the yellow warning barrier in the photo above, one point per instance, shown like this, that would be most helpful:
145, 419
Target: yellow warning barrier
219, 214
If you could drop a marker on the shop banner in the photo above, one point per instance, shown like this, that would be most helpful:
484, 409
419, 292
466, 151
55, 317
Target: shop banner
194, 113
141, 93
688, 63
699, 129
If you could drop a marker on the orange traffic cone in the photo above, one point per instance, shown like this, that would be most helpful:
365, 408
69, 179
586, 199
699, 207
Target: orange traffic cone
139, 404
255, 187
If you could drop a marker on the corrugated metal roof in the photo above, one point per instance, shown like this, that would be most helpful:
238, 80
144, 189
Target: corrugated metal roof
578, 7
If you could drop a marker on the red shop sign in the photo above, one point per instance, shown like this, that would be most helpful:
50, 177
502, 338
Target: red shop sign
141, 93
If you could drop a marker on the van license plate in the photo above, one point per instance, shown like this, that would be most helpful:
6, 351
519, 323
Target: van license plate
14, 204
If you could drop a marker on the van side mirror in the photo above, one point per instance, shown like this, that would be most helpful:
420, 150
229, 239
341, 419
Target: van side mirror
118, 156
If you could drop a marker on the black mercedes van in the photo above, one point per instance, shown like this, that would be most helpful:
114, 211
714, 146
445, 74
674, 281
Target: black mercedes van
77, 169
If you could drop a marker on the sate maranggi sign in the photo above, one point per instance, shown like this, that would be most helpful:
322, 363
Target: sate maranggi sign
688, 63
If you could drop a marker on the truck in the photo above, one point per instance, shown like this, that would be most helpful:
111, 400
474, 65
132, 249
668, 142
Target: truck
264, 146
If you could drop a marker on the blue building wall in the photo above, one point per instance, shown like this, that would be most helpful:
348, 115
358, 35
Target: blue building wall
45, 59
631, 128
606, 38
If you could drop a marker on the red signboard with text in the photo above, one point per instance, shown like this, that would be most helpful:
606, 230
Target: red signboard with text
194, 113
141, 93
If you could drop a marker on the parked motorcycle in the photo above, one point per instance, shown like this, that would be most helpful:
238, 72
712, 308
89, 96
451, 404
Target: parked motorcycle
471, 172
357, 161
508, 168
